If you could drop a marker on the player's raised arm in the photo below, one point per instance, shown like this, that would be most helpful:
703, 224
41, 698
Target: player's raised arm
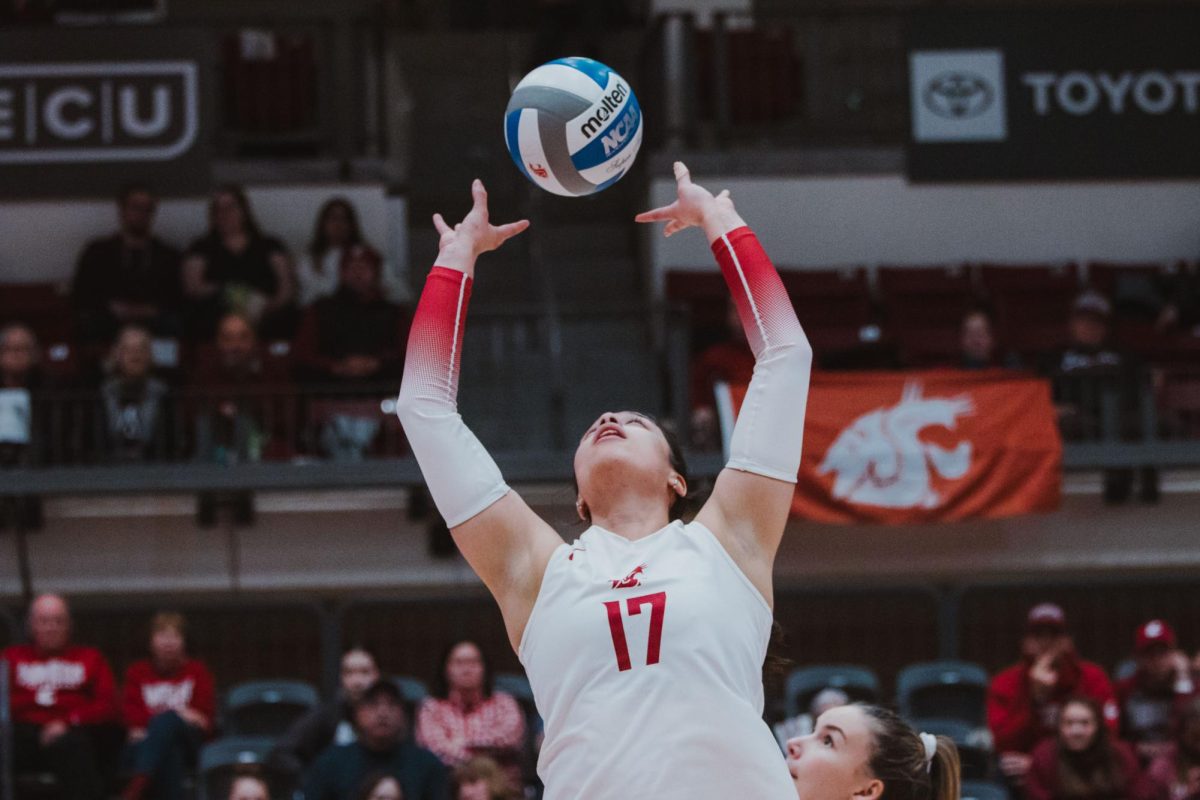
503, 540
750, 503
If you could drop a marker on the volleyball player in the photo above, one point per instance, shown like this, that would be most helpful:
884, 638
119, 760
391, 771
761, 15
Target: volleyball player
644, 639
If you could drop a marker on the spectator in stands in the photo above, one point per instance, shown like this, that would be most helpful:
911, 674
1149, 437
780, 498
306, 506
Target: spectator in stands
355, 335
20, 385
730, 361
236, 267
1024, 700
1175, 774
977, 343
804, 724
236, 390
380, 786
63, 702
1151, 696
133, 402
169, 708
481, 778
1084, 761
465, 717
381, 746
1086, 370
318, 270
249, 784
330, 724
128, 278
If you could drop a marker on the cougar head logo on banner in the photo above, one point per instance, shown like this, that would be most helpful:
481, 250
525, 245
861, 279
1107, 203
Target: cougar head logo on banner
880, 459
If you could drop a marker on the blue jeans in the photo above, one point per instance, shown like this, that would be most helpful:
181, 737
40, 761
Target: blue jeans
170, 747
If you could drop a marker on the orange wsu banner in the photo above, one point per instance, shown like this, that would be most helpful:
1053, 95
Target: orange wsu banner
933, 446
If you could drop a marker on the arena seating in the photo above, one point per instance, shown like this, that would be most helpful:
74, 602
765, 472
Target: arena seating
947, 689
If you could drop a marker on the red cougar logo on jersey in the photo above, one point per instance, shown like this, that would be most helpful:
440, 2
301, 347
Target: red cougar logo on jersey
631, 580
539, 170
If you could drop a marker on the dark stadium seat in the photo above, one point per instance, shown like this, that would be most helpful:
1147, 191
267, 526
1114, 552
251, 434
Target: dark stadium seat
220, 759
706, 298
1032, 304
974, 744
858, 682
1179, 401
517, 685
925, 295
948, 689
983, 790
836, 309
1136, 289
413, 690
266, 708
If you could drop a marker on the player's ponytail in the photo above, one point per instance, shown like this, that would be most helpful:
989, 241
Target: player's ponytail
906, 768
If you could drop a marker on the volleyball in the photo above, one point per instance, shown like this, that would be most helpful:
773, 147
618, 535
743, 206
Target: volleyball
573, 126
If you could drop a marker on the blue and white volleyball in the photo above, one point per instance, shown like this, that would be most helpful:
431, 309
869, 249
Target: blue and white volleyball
573, 126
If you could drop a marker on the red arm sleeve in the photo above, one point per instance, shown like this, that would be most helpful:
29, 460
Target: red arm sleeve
133, 705
1010, 714
102, 706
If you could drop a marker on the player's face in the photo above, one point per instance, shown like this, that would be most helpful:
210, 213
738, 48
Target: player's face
625, 439
831, 763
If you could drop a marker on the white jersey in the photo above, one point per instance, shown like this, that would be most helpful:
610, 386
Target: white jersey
645, 659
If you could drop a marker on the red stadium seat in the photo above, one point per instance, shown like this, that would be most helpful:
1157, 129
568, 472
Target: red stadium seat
1032, 303
44, 307
1179, 400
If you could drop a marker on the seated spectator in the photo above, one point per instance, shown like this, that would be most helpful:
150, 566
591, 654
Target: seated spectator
330, 724
481, 778
380, 786
1024, 700
465, 718
336, 230
63, 703
726, 361
20, 385
238, 268
128, 278
1175, 774
249, 784
803, 724
237, 390
1084, 761
1150, 697
133, 402
169, 709
379, 718
977, 342
354, 335
1083, 372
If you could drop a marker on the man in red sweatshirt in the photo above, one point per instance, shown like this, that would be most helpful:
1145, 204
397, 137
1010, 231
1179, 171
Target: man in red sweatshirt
1024, 699
64, 703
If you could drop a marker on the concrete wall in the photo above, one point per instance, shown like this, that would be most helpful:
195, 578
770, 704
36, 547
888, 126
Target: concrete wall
363, 541
883, 219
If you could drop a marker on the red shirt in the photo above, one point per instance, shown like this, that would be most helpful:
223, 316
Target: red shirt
453, 732
1042, 782
75, 686
1018, 724
149, 692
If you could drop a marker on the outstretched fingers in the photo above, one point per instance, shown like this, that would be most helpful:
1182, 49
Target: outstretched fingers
658, 214
440, 223
506, 232
479, 197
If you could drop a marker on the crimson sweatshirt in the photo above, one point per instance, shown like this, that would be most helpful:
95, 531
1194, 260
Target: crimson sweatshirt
149, 692
1018, 724
75, 686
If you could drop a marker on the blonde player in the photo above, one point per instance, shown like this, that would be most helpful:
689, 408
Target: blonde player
643, 640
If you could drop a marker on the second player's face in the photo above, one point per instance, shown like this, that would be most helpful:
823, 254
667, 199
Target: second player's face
831, 762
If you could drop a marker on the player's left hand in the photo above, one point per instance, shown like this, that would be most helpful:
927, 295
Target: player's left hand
692, 207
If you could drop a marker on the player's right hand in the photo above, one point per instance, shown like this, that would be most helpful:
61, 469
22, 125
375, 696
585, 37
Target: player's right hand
475, 234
